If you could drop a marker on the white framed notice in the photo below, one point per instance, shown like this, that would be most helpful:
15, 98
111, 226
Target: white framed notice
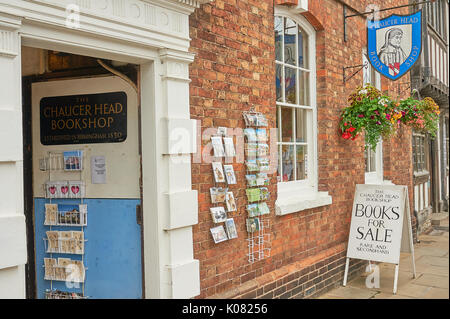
380, 226
98, 170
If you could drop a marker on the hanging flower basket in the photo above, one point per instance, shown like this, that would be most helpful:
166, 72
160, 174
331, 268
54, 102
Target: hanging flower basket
378, 116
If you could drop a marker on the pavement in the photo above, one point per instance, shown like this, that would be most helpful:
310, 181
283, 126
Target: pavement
432, 275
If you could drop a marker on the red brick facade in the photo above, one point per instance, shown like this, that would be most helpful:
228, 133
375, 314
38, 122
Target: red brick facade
234, 70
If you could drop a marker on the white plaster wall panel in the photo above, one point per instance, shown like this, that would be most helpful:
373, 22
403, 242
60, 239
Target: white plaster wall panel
10, 135
181, 136
122, 159
178, 104
12, 283
181, 249
153, 176
13, 247
186, 280
183, 209
8, 188
179, 167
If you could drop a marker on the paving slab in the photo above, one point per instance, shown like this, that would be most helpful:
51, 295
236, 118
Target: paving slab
432, 281
436, 293
349, 293
383, 295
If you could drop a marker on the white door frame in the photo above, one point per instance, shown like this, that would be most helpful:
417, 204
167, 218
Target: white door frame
155, 35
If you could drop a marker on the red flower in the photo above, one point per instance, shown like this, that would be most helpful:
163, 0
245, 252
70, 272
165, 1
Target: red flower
346, 135
351, 129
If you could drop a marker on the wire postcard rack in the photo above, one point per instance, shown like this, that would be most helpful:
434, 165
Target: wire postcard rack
73, 216
256, 152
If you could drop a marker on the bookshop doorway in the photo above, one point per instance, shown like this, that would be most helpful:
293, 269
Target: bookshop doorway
82, 176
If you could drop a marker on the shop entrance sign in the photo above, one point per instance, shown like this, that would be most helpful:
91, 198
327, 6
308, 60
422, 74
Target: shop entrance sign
380, 226
394, 44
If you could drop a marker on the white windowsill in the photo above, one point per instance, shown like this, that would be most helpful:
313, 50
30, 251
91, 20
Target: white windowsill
294, 203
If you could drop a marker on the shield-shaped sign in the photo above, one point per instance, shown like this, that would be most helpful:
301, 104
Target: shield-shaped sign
394, 44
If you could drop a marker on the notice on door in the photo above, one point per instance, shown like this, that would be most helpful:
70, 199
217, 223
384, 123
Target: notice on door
377, 225
84, 119
98, 170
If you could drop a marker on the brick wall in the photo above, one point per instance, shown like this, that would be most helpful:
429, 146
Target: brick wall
234, 70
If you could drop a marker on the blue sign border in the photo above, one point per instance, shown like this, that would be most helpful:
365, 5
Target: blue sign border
373, 26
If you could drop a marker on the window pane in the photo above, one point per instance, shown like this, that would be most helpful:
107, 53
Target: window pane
302, 165
279, 38
291, 85
304, 88
287, 157
286, 124
301, 125
290, 51
279, 82
302, 49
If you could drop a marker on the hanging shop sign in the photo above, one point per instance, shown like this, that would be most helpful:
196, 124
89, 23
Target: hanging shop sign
84, 119
380, 225
394, 44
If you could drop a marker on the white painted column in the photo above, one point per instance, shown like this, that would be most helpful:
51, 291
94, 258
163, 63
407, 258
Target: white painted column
13, 253
170, 205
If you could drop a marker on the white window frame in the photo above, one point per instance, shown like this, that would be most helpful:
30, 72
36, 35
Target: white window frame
299, 195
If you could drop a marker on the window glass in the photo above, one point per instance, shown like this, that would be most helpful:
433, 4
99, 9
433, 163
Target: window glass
293, 99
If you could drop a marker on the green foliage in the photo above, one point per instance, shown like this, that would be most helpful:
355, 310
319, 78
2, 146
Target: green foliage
377, 115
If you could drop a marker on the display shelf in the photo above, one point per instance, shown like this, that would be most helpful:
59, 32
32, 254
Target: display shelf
58, 294
256, 150
67, 215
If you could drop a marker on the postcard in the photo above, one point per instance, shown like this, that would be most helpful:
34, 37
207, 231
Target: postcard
252, 210
262, 179
261, 135
53, 241
261, 120
263, 208
263, 164
252, 224
73, 160
252, 166
251, 180
264, 194
263, 150
219, 234
229, 147
250, 134
78, 241
49, 264
63, 189
231, 228
218, 194
251, 149
65, 238
253, 194
231, 203
229, 174
216, 141
218, 214
76, 189
250, 119
51, 213
219, 176
51, 189
222, 131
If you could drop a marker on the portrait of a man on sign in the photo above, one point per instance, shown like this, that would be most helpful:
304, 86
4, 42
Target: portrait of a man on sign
394, 44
